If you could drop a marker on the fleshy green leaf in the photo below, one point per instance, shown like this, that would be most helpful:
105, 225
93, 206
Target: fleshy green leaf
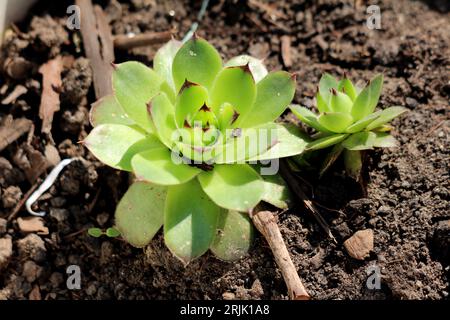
95, 232
326, 83
162, 63
227, 116
340, 102
244, 144
234, 187
257, 67
163, 116
346, 86
234, 235
367, 100
288, 141
160, 167
274, 93
363, 123
386, 115
276, 191
385, 140
360, 141
335, 121
383, 128
116, 144
353, 163
108, 110
189, 100
308, 117
140, 212
236, 86
196, 61
135, 85
190, 221
199, 154
321, 104
326, 141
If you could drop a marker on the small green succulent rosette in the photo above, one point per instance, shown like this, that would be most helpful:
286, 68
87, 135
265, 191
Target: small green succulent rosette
183, 129
347, 120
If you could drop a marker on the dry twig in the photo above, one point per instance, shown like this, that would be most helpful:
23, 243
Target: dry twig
98, 45
125, 41
286, 51
265, 222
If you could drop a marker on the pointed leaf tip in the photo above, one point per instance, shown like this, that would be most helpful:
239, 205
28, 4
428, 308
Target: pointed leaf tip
294, 76
187, 84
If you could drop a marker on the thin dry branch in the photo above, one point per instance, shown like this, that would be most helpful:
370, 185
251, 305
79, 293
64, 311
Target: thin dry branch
286, 51
98, 45
125, 41
266, 223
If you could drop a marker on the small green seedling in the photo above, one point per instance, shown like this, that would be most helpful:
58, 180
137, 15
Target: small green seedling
97, 232
183, 129
348, 121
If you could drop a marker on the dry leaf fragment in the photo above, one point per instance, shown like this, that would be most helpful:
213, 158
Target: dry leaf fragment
51, 81
32, 224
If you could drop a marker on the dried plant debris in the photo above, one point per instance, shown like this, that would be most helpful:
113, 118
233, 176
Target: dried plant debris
50, 103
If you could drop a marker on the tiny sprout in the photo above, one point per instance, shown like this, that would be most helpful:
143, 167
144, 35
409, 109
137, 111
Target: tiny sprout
183, 129
112, 232
95, 232
348, 121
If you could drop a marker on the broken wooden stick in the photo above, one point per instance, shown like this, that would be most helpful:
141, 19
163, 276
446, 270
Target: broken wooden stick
266, 223
286, 51
300, 194
22, 201
130, 41
98, 45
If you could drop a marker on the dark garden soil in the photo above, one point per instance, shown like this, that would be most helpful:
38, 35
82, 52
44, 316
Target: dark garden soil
407, 203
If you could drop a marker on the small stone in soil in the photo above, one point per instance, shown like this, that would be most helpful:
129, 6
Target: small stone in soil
32, 247
228, 296
58, 202
257, 290
91, 290
59, 215
11, 196
35, 293
360, 244
441, 240
102, 218
31, 271
3, 226
56, 279
106, 252
5, 251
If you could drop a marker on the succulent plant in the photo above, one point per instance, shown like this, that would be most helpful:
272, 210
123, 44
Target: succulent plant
190, 130
348, 120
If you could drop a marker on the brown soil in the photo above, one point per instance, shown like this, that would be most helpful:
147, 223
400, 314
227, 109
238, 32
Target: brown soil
407, 201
